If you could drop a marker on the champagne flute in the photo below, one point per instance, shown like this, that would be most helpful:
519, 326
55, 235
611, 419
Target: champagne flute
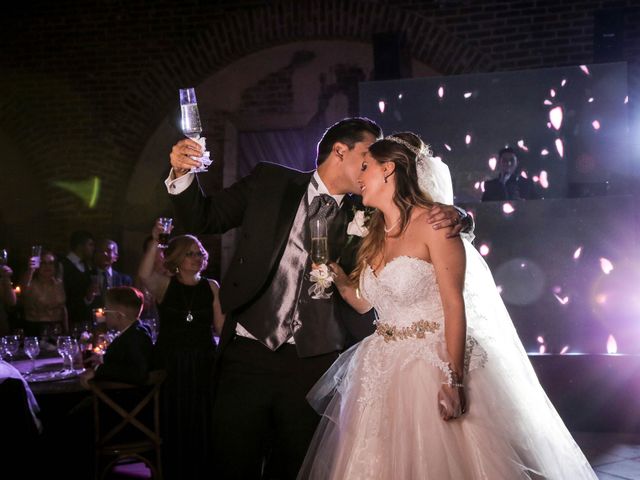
4, 256
163, 237
191, 124
319, 243
32, 350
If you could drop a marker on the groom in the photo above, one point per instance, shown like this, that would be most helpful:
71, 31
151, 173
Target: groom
277, 341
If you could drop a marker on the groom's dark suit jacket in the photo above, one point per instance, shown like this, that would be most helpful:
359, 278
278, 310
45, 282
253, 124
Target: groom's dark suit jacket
264, 205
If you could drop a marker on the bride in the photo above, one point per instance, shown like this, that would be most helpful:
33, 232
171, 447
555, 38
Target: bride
443, 389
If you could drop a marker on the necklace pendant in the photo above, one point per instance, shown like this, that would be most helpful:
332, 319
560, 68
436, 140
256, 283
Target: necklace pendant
189, 317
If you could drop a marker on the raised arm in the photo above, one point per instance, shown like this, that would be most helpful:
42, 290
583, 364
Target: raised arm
218, 316
155, 282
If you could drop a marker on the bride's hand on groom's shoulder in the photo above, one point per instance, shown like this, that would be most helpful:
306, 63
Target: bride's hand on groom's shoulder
452, 402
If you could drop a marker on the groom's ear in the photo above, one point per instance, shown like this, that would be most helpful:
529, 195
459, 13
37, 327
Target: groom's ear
340, 149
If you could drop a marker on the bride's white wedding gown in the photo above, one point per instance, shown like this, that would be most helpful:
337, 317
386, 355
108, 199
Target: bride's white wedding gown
379, 399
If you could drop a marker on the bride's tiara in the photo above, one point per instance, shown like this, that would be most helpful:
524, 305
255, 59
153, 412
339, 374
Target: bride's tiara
423, 152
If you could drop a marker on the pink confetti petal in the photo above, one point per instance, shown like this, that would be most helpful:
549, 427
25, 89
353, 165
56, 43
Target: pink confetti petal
447, 147
552, 92
441, 92
540, 339
548, 102
585, 69
381, 106
562, 300
508, 208
577, 253
542, 349
564, 350
596, 125
612, 345
544, 179
564, 82
544, 151
606, 265
467, 94
523, 174
467, 139
493, 161
560, 147
590, 100
555, 116
484, 250
522, 145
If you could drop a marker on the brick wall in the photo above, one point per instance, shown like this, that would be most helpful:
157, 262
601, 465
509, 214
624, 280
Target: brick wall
86, 83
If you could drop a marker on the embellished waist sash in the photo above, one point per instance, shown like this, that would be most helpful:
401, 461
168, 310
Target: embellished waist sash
417, 329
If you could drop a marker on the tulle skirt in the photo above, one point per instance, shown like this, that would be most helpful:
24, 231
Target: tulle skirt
380, 420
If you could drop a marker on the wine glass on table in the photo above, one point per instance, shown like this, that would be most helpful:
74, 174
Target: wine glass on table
62, 343
320, 276
11, 345
191, 125
31, 350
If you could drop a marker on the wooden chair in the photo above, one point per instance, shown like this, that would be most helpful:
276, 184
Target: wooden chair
144, 446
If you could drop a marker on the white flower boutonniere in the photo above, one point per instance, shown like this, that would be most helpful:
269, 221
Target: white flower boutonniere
321, 279
358, 226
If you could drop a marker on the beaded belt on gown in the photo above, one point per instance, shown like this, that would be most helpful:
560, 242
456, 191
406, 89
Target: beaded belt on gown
416, 330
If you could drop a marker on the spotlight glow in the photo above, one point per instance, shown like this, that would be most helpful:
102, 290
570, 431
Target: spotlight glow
508, 208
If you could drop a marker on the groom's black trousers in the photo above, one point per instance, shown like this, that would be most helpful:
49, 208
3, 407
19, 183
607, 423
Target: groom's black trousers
262, 421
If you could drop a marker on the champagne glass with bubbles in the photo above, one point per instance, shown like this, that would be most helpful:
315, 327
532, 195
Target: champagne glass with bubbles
191, 124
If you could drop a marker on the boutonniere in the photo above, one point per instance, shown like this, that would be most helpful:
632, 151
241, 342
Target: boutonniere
358, 227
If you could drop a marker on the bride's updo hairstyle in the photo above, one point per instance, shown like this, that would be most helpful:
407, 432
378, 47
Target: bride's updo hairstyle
403, 149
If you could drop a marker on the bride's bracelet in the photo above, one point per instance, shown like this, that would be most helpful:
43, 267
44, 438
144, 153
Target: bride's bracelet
453, 384
454, 380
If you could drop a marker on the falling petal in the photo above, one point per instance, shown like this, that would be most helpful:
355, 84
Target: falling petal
543, 349
564, 350
535, 178
563, 300
493, 161
577, 253
508, 208
522, 145
555, 116
596, 125
441, 92
17, 290
544, 152
523, 174
549, 125
481, 188
540, 339
544, 179
548, 102
467, 94
557, 289
612, 345
499, 288
439, 159
447, 147
560, 147
606, 265
564, 82
552, 92
381, 106
626, 99
585, 69
590, 100
399, 96
484, 250
467, 139
476, 185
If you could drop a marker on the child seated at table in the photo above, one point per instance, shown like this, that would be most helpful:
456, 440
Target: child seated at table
127, 359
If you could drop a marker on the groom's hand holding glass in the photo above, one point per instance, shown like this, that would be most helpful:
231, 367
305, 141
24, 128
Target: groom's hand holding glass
184, 155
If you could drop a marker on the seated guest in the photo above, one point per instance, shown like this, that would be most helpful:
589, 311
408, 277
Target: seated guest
128, 357
105, 256
7, 298
43, 297
510, 184
76, 277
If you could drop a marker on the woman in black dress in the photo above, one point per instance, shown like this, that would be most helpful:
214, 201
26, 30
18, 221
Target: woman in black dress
190, 315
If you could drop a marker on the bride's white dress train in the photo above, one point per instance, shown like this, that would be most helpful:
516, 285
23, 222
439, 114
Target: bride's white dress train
379, 399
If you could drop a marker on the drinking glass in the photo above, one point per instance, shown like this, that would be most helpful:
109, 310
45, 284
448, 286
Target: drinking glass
190, 124
163, 237
36, 251
62, 344
319, 244
73, 350
11, 345
4, 256
32, 350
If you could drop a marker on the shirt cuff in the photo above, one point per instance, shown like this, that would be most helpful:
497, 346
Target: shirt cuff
175, 186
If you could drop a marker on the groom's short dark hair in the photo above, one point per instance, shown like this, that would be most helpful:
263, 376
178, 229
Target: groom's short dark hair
348, 131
